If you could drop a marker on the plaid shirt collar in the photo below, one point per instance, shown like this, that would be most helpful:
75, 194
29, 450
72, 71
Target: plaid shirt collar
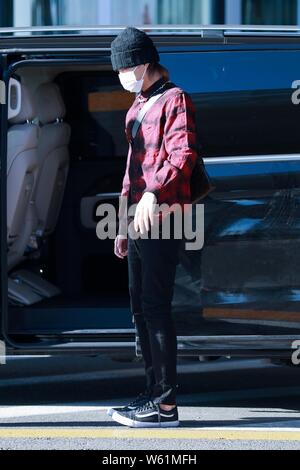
143, 95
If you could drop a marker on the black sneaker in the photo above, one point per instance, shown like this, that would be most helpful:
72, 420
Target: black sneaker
149, 415
141, 400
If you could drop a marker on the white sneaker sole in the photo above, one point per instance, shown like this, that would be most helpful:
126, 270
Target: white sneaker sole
138, 424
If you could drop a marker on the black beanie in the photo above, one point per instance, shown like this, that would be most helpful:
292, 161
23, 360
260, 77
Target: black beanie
132, 47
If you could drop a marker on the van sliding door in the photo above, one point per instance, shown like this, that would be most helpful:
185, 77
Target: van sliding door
244, 281
92, 310
2, 194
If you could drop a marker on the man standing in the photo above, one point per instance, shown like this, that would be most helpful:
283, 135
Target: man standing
159, 166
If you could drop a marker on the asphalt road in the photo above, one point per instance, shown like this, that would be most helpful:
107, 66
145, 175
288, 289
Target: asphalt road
61, 403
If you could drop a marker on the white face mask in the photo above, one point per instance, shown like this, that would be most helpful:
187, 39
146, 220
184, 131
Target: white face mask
129, 82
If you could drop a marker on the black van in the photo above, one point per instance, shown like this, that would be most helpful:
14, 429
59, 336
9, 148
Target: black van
63, 152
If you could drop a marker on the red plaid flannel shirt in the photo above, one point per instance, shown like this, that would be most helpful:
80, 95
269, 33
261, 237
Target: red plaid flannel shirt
164, 150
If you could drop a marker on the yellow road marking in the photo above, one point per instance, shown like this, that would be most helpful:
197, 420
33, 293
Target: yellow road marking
191, 433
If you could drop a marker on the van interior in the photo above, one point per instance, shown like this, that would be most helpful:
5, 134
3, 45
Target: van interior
66, 153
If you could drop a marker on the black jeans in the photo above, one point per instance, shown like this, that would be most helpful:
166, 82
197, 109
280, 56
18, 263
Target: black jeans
151, 269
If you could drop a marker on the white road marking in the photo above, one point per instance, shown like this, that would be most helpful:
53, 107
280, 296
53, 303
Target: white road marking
38, 410
192, 400
198, 401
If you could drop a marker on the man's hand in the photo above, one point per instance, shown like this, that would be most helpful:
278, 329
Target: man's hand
121, 246
144, 214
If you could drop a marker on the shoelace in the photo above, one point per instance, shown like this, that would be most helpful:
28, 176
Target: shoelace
136, 400
149, 406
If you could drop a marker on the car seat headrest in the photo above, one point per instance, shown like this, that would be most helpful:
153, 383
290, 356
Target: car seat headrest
50, 105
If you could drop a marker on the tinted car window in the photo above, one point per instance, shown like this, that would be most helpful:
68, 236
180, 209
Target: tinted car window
243, 99
96, 110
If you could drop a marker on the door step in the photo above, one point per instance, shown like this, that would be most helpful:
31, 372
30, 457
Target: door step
26, 288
